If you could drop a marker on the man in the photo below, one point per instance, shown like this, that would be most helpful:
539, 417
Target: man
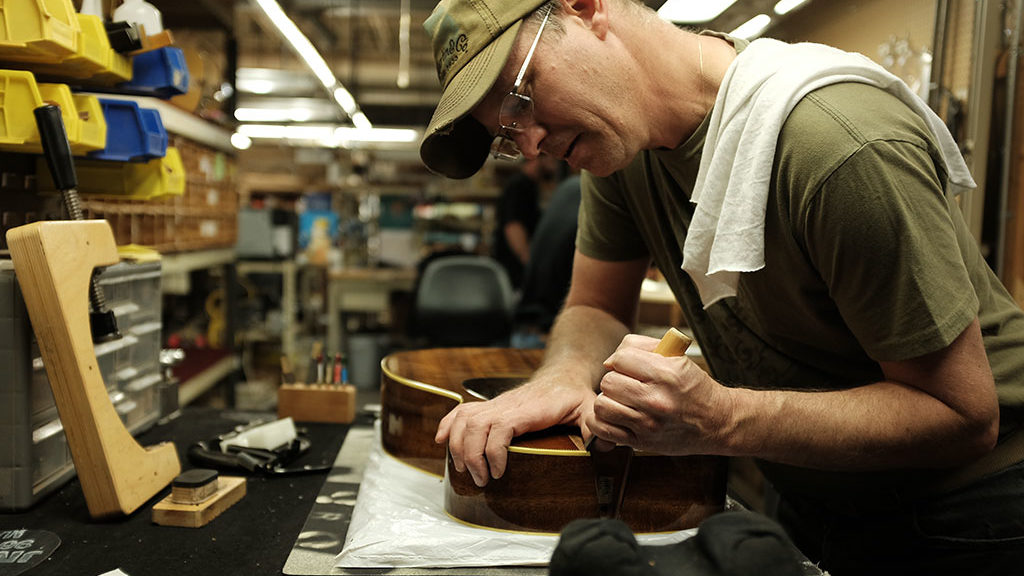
547, 278
517, 216
862, 350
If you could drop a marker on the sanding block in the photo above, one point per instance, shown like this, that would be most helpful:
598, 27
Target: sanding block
194, 486
197, 497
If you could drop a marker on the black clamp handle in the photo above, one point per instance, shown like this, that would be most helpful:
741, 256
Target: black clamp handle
56, 147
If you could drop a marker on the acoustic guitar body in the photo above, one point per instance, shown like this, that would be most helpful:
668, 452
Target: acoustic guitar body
550, 480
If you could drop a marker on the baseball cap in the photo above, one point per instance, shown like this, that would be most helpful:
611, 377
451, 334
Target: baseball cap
472, 40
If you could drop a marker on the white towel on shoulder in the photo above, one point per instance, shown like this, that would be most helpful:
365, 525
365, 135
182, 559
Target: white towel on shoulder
759, 90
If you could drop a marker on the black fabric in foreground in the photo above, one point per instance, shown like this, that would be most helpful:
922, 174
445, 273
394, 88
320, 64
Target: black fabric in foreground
727, 544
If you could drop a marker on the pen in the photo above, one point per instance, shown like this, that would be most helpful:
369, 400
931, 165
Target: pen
287, 376
314, 361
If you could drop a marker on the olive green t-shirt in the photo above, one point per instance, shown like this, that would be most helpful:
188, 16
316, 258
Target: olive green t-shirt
866, 259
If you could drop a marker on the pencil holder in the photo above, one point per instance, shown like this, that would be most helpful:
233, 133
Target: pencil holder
317, 402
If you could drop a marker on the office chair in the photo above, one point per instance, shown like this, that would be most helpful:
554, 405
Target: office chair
464, 300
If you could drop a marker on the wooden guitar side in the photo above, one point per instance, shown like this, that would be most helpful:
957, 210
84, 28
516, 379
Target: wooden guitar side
549, 480
53, 262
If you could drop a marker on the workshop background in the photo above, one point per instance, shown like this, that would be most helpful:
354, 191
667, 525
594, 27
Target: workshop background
257, 161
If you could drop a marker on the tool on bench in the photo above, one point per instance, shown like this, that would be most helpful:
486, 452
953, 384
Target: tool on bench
197, 497
57, 151
264, 448
611, 468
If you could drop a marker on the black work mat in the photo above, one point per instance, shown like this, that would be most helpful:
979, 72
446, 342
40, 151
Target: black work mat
252, 538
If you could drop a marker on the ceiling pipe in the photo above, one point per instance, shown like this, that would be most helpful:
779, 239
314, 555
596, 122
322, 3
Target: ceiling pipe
1007, 153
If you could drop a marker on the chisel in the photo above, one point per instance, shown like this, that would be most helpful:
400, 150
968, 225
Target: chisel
611, 468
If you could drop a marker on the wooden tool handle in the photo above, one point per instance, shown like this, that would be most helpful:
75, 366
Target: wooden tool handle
673, 343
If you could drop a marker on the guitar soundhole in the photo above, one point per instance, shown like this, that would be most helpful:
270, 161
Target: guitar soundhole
488, 388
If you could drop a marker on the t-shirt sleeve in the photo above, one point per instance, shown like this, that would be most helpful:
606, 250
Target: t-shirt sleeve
607, 230
880, 233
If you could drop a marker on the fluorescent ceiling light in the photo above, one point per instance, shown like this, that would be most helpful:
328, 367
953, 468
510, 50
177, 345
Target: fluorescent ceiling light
305, 49
298, 41
241, 141
691, 11
329, 136
256, 86
283, 132
361, 121
347, 134
402, 81
279, 82
753, 27
273, 114
345, 100
784, 6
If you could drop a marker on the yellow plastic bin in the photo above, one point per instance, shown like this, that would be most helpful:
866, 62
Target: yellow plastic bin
94, 125
79, 123
60, 95
171, 174
38, 30
82, 114
125, 180
94, 61
19, 96
116, 67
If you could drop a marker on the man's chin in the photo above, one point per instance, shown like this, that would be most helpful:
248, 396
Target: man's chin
600, 167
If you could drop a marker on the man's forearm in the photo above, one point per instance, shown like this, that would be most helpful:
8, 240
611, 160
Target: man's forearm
882, 425
580, 340
937, 410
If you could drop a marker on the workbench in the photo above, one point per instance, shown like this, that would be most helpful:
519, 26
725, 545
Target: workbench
362, 290
292, 525
253, 537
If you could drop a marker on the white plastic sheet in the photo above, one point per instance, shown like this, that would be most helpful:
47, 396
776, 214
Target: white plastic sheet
399, 522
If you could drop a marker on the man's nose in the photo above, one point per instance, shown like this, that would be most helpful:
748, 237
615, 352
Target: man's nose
528, 140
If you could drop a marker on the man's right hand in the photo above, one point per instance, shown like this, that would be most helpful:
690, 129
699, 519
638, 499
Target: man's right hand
479, 433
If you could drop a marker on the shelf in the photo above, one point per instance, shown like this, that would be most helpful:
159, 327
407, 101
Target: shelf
255, 183
176, 267
197, 384
288, 269
266, 266
185, 262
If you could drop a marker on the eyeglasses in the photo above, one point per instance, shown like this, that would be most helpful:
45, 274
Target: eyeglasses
516, 112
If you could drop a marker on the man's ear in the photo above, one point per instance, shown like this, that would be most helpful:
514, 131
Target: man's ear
592, 13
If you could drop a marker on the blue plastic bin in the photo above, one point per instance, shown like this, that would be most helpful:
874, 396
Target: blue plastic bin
133, 133
162, 73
